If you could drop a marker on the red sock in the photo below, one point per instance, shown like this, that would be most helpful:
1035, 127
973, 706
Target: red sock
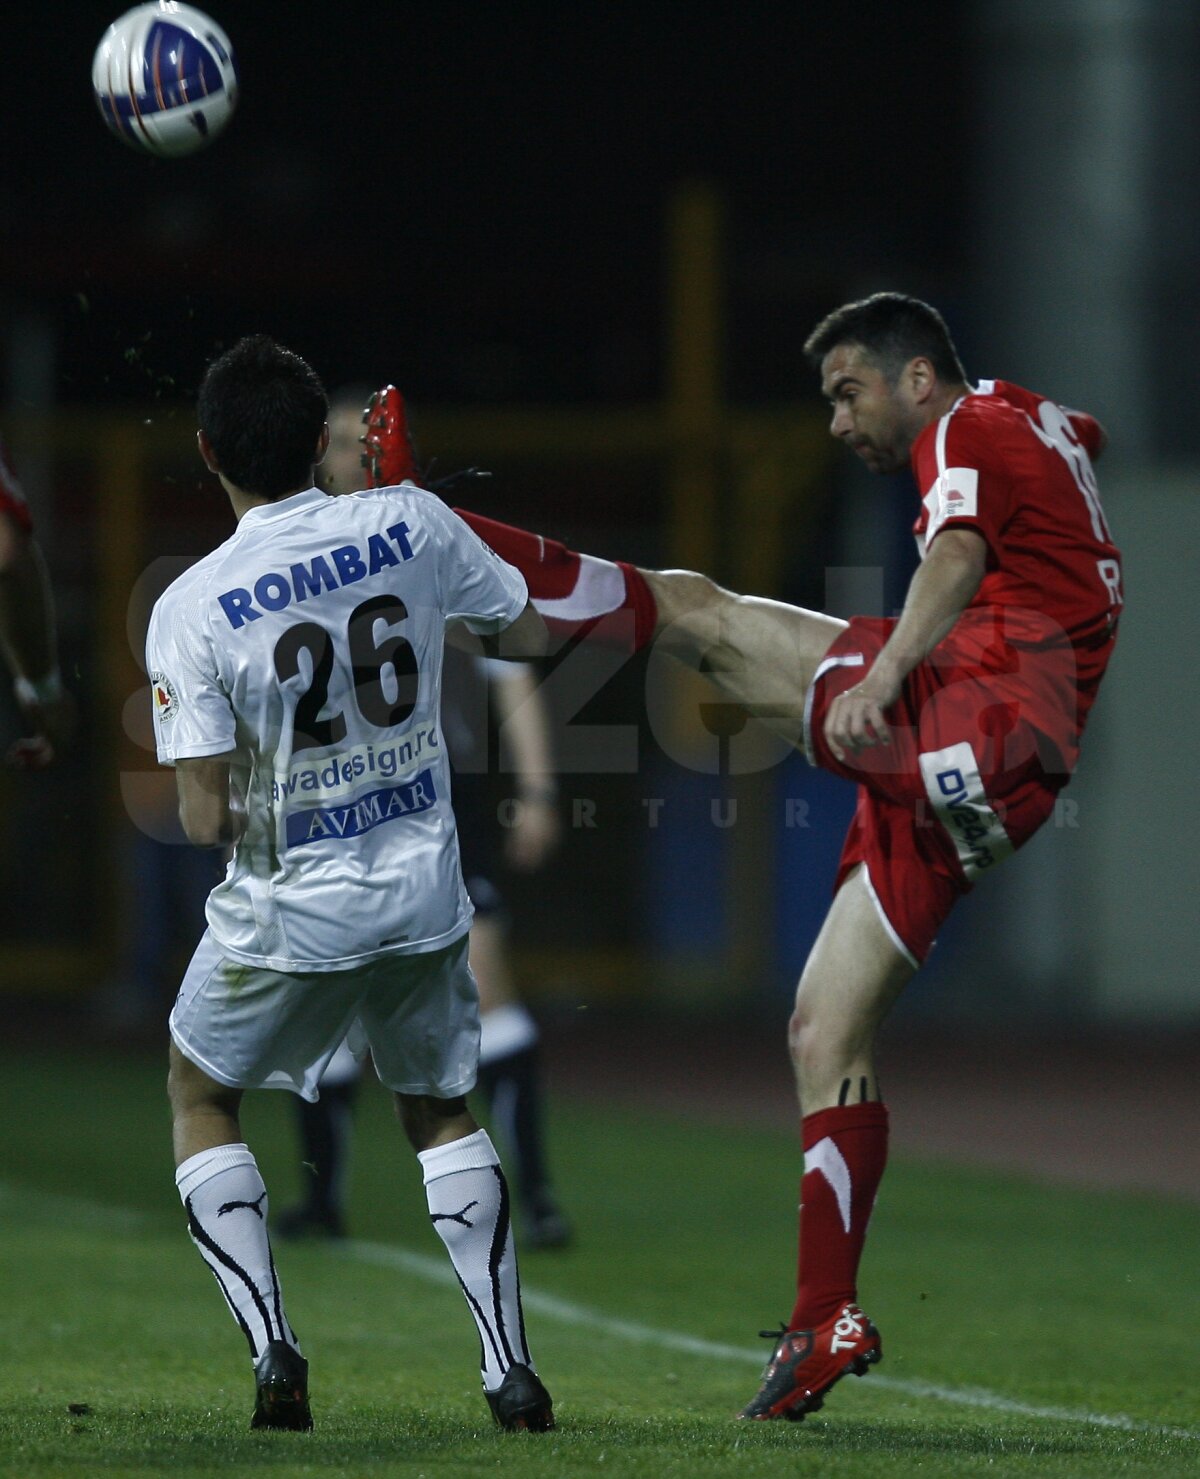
845, 1151
577, 595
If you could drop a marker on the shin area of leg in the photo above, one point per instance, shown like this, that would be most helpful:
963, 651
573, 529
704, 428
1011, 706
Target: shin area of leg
758, 653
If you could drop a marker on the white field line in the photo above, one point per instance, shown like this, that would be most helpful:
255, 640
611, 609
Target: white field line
438, 1271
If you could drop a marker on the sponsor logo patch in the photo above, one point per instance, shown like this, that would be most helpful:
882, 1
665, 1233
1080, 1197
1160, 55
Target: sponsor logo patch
166, 700
955, 495
362, 814
339, 776
955, 789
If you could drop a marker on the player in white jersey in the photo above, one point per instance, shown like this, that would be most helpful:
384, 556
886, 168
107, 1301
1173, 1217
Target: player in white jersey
296, 674
474, 688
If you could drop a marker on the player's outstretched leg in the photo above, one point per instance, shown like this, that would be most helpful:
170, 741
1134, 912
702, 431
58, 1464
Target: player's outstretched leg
760, 654
470, 1207
226, 1204
852, 977
606, 602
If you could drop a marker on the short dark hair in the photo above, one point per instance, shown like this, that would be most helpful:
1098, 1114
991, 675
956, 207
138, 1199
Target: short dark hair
262, 409
893, 329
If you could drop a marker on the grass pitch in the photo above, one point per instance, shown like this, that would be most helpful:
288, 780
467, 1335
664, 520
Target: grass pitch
1025, 1329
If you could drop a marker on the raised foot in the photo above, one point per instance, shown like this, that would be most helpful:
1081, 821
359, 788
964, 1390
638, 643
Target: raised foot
805, 1364
388, 454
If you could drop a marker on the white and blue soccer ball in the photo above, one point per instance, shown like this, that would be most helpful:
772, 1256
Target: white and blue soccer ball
165, 78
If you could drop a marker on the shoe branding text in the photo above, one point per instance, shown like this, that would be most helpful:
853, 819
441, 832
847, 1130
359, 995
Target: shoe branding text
847, 1330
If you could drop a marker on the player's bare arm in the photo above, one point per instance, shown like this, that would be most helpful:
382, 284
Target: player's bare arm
207, 810
524, 638
942, 587
27, 643
525, 734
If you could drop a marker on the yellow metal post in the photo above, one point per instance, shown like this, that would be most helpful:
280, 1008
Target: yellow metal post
693, 374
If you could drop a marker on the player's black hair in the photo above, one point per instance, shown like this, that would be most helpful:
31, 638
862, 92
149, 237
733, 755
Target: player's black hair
262, 408
893, 329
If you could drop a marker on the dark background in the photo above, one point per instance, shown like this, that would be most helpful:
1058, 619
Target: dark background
473, 200
469, 197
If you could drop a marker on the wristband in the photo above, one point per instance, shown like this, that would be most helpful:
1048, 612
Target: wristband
45, 690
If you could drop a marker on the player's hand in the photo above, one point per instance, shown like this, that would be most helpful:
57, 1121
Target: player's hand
533, 835
52, 721
855, 720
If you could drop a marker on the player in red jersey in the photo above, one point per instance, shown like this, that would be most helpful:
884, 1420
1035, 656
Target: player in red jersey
959, 721
27, 641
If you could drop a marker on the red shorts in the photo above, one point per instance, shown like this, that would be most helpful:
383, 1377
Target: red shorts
957, 790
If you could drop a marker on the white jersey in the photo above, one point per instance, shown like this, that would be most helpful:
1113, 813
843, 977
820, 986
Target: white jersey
308, 647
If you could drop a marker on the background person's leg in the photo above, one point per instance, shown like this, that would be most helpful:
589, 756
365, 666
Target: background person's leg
325, 1129
510, 1080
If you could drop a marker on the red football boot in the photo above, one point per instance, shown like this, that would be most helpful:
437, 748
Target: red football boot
388, 453
806, 1363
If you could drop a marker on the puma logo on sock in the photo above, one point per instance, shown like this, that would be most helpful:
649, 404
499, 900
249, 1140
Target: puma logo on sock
454, 1216
255, 1207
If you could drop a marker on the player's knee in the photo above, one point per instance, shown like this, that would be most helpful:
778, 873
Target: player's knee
189, 1088
804, 1038
680, 594
423, 1117
822, 1048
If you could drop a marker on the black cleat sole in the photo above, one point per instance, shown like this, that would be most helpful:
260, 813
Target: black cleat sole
281, 1390
522, 1404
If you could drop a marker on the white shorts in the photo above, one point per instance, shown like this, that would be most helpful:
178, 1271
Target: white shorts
250, 1028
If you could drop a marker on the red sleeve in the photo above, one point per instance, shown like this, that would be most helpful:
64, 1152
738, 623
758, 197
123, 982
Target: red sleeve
12, 500
965, 483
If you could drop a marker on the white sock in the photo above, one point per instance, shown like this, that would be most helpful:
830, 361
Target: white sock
469, 1206
505, 1030
226, 1203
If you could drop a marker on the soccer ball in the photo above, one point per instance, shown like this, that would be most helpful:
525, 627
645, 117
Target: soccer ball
165, 79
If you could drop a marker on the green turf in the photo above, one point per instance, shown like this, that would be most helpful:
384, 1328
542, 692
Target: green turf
1057, 1301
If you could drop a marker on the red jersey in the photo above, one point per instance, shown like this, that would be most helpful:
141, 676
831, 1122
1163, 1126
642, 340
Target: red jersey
12, 499
1018, 470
